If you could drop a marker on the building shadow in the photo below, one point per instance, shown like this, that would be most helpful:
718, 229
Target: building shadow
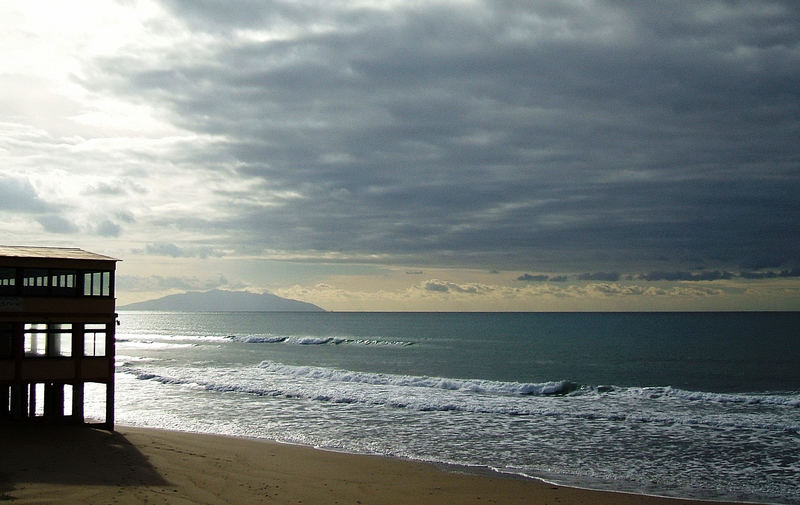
35, 452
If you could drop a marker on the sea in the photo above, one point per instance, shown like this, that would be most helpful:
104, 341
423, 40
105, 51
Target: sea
696, 405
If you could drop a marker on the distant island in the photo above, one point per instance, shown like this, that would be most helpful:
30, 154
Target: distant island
223, 301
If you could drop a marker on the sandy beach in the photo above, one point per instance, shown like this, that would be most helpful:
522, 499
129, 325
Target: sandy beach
65, 464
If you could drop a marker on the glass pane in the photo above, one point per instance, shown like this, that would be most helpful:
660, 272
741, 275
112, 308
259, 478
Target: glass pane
106, 283
61, 344
96, 285
35, 343
61, 340
87, 284
94, 344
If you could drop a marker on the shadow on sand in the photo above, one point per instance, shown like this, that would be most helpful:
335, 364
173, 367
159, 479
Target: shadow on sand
70, 455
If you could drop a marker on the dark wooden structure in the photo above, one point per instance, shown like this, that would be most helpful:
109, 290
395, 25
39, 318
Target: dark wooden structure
57, 325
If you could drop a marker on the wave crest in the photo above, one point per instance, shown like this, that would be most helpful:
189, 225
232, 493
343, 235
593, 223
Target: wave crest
471, 385
559, 399
313, 340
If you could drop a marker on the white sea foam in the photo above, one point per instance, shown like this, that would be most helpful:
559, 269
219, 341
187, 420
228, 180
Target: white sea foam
422, 393
471, 385
787, 399
152, 344
122, 358
314, 340
258, 339
160, 337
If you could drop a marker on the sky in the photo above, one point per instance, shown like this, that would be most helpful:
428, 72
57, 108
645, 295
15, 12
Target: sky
412, 155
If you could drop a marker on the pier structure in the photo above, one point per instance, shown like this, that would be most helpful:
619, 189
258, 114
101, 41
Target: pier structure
57, 326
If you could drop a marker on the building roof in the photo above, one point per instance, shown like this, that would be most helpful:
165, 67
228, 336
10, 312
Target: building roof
51, 252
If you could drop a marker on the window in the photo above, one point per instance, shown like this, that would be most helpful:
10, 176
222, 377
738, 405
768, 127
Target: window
6, 340
54, 340
34, 282
44, 282
35, 339
97, 284
94, 339
63, 282
60, 340
8, 281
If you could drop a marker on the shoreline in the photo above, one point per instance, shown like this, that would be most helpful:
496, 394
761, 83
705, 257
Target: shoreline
491, 472
75, 464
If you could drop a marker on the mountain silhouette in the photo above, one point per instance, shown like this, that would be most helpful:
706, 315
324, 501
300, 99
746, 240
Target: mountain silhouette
223, 301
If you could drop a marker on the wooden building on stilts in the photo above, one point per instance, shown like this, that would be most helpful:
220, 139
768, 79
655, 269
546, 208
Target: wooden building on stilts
57, 326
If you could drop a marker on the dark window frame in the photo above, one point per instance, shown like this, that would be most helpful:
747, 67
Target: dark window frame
57, 282
63, 282
51, 333
32, 333
94, 333
97, 283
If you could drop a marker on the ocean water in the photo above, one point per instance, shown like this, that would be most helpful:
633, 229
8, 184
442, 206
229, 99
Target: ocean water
702, 405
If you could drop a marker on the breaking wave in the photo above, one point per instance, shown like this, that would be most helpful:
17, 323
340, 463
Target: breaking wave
470, 385
664, 406
790, 399
312, 340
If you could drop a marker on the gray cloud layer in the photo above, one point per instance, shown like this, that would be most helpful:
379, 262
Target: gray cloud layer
571, 135
18, 195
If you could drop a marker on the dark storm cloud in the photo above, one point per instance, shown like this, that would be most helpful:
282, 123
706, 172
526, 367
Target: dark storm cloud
533, 278
583, 135
440, 286
762, 261
714, 275
794, 272
542, 278
600, 276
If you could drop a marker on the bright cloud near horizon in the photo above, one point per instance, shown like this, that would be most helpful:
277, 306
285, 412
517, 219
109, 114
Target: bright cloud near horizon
432, 155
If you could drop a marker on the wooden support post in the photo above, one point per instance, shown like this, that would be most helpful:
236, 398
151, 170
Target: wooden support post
19, 400
58, 406
32, 400
54, 400
110, 405
47, 407
77, 402
5, 400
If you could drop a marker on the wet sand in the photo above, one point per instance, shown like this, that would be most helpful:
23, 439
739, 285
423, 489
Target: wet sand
65, 464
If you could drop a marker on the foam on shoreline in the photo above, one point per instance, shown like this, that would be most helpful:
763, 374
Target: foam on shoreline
66, 464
